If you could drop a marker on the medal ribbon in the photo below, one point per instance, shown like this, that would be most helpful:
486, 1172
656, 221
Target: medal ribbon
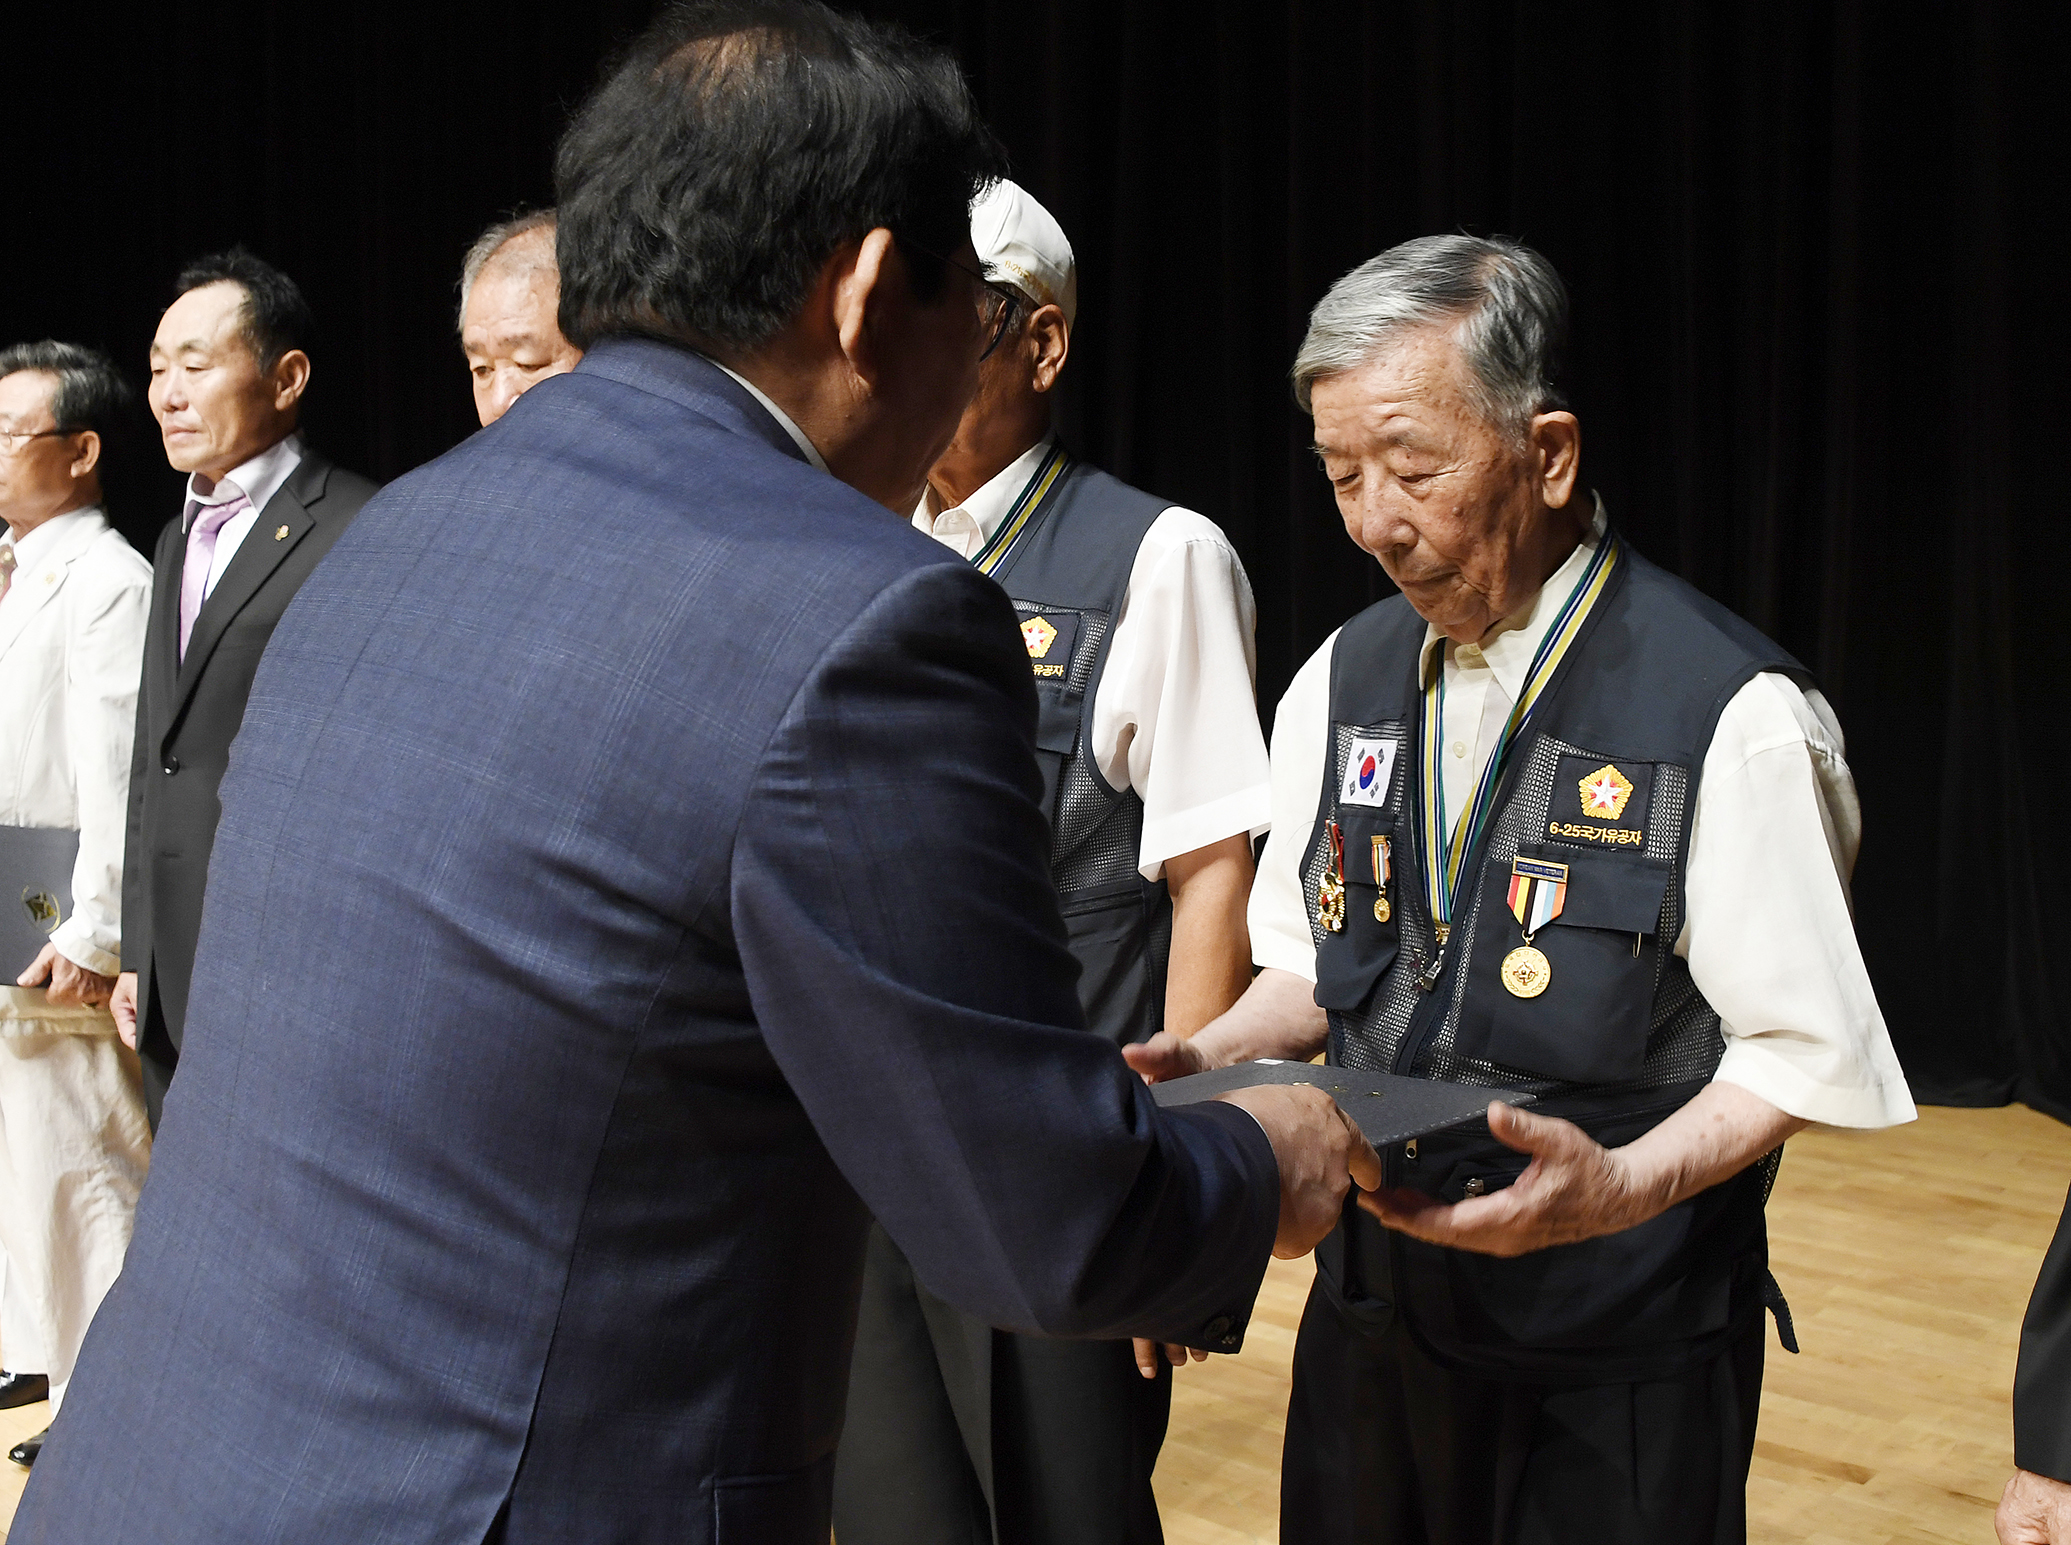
1442, 880
1025, 505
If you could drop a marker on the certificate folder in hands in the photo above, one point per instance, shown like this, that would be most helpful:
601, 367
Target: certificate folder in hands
35, 890
1388, 1107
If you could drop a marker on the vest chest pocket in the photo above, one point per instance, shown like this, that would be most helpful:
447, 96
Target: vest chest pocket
1590, 1023
1349, 962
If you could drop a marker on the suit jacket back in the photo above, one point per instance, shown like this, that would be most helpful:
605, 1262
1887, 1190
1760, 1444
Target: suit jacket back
188, 713
631, 868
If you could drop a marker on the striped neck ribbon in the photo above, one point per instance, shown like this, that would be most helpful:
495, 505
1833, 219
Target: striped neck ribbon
1456, 842
1030, 499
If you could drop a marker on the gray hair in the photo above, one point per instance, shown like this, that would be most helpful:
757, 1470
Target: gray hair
90, 391
492, 241
1509, 307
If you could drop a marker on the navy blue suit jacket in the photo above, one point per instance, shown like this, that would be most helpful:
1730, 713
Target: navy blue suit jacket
630, 876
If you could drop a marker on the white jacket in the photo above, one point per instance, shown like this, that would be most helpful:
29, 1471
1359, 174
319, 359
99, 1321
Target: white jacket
71, 653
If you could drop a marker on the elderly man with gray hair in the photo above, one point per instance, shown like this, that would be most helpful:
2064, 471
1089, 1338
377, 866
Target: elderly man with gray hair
1552, 821
510, 297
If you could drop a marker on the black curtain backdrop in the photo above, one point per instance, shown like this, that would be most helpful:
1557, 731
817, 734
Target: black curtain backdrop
1811, 244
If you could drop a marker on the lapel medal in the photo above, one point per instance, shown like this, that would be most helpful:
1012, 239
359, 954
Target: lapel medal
1381, 910
1538, 891
1330, 890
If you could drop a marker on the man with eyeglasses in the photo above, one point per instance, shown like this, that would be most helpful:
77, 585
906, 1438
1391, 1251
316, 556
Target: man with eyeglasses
74, 596
1137, 619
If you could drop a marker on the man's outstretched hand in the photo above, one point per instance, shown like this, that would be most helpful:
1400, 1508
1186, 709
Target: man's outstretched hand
1320, 1152
1166, 1056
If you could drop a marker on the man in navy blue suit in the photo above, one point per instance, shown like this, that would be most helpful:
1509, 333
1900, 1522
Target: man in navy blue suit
577, 975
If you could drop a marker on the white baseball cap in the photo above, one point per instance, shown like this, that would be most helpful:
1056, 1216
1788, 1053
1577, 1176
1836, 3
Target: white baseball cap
1020, 243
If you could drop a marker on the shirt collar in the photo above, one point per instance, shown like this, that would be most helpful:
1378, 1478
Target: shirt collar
1509, 646
784, 420
990, 505
36, 544
258, 479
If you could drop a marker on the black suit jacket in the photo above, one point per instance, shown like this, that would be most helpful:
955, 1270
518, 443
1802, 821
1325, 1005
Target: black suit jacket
2042, 1387
188, 712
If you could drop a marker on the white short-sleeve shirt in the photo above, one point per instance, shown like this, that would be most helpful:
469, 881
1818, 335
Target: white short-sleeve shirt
1175, 717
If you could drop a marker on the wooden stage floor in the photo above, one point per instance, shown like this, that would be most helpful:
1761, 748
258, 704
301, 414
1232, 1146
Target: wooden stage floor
1907, 1257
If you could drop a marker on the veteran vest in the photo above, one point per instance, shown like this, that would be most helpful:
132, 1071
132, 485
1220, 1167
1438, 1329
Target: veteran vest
1602, 781
1067, 569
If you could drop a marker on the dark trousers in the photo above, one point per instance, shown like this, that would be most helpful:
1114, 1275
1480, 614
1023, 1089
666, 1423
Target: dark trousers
1386, 1447
959, 1434
156, 1053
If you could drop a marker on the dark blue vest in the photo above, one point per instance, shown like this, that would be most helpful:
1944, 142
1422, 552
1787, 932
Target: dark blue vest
1619, 1040
1067, 576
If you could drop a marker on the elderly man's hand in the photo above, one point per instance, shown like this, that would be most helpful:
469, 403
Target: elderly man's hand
1574, 1188
70, 986
2035, 1510
123, 1005
1320, 1151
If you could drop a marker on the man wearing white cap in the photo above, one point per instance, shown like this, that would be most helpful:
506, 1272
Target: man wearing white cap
1138, 621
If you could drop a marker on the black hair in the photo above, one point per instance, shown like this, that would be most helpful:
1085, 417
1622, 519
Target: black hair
736, 147
276, 318
90, 393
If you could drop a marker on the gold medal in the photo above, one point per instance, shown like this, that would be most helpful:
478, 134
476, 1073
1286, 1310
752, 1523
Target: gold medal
1381, 910
1526, 972
1381, 867
1330, 903
1330, 889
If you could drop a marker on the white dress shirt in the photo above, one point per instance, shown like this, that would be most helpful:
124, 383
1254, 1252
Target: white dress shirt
1175, 717
784, 420
1768, 932
72, 628
258, 480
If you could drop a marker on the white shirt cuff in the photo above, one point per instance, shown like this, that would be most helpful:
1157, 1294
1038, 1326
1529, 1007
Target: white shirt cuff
1273, 952
1248, 811
1769, 1075
77, 946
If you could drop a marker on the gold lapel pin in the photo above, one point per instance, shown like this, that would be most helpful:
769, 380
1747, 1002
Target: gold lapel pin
281, 535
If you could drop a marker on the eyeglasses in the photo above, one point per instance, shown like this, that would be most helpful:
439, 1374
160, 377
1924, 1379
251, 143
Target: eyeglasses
17, 440
1000, 308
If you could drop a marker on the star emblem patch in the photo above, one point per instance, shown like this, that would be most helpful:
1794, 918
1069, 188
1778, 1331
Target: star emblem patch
1604, 793
1039, 635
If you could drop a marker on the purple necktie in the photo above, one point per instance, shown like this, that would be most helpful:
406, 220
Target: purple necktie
201, 552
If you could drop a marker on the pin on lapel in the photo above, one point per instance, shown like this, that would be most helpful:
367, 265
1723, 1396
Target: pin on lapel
281, 535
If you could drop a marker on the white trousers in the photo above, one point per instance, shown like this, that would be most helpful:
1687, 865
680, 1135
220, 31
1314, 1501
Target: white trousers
74, 1150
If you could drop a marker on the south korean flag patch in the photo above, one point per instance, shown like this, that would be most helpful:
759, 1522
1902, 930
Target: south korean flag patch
1367, 771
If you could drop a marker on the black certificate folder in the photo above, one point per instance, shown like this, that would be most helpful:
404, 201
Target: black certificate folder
1388, 1107
35, 890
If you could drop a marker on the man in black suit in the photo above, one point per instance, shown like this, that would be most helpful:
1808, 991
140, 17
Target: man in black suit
2036, 1509
228, 370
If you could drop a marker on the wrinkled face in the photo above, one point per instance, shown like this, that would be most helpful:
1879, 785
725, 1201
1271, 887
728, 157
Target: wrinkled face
215, 407
39, 477
1426, 484
509, 329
